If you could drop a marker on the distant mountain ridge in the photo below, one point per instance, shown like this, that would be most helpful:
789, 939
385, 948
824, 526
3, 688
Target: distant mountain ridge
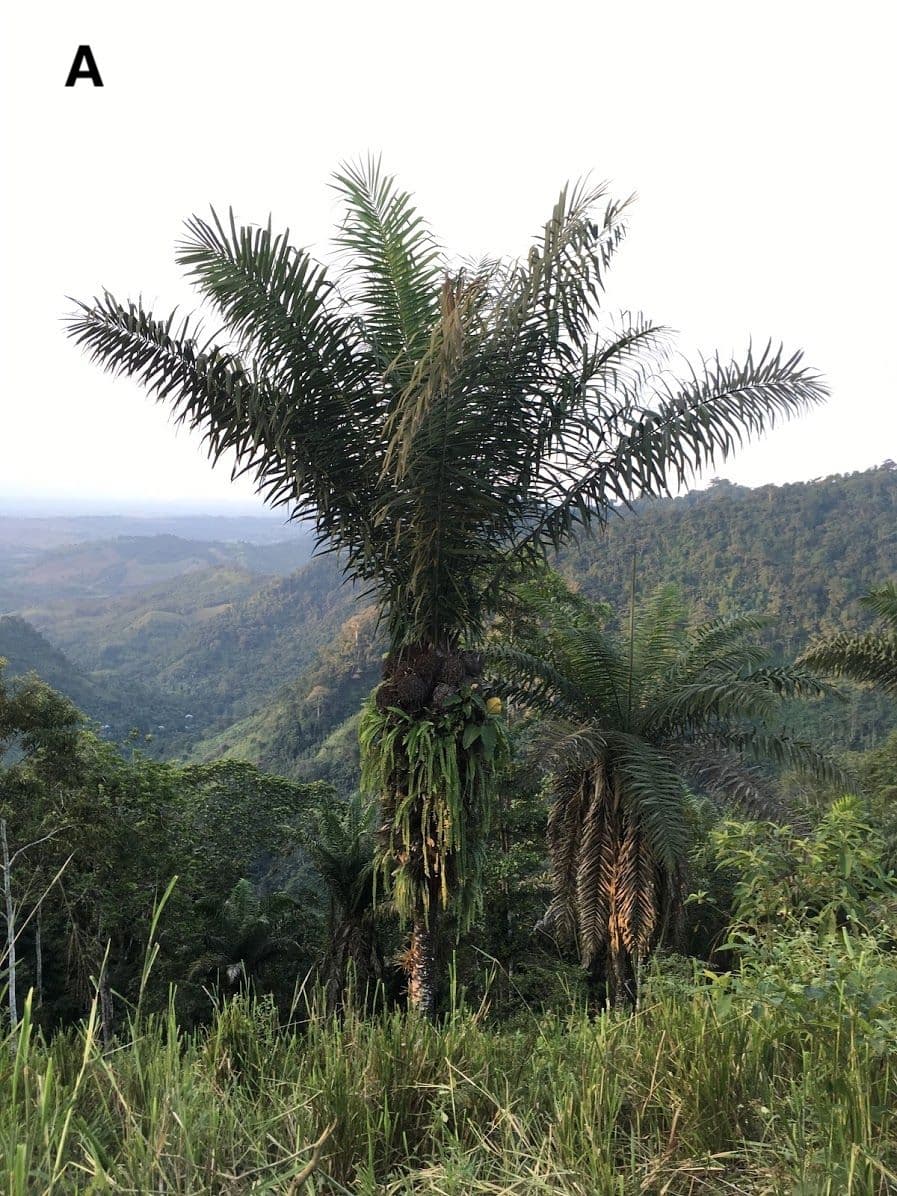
244, 652
106, 568
42, 532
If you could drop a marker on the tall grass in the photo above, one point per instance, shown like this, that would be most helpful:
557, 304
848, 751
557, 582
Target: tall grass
708, 1089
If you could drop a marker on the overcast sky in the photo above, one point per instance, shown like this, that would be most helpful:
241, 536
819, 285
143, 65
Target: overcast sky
759, 137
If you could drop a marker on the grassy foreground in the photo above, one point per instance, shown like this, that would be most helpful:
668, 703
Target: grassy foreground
710, 1088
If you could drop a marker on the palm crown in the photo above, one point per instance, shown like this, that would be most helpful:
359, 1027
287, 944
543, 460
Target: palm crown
633, 721
438, 424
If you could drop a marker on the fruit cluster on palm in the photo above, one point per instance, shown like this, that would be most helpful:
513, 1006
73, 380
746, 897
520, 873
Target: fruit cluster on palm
443, 426
632, 723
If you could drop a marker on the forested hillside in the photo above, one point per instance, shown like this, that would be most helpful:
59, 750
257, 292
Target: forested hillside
791, 552
802, 552
269, 669
73, 575
117, 704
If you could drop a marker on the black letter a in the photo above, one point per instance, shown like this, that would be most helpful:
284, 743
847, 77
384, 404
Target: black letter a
84, 67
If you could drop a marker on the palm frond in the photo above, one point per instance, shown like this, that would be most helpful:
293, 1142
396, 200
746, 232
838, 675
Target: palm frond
555, 293
563, 835
708, 702
729, 694
599, 668
597, 850
279, 302
317, 466
654, 792
636, 891
663, 439
883, 601
566, 747
535, 682
395, 263
870, 657
785, 751
723, 640
716, 769
657, 625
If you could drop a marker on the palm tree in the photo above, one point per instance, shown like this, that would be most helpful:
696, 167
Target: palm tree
632, 720
248, 932
870, 657
339, 843
441, 425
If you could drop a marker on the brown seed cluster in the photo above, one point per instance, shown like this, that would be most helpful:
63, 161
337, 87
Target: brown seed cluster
425, 676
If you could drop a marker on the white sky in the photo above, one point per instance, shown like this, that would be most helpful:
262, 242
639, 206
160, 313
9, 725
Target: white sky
759, 137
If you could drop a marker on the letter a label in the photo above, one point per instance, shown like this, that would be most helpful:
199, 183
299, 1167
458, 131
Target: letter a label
84, 67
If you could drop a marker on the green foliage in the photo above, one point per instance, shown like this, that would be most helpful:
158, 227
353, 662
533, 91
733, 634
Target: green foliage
248, 933
339, 843
877, 772
35, 722
631, 722
830, 878
712, 1082
110, 836
236, 820
433, 776
871, 657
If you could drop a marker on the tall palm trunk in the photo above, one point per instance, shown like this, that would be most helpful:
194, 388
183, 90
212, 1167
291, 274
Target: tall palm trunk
422, 955
621, 978
421, 965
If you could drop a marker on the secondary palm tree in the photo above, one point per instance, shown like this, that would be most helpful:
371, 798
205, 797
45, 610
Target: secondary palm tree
870, 657
632, 720
440, 425
248, 932
339, 844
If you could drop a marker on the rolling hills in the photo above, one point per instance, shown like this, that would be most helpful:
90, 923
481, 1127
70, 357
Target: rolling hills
271, 667
116, 704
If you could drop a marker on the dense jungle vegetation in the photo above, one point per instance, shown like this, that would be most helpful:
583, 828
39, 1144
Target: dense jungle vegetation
208, 1033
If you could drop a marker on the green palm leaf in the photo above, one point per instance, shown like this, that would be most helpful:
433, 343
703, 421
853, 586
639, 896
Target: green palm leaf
394, 262
656, 793
869, 657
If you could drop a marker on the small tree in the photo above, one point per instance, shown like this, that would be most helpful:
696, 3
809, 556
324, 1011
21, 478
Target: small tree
631, 720
38, 730
339, 843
